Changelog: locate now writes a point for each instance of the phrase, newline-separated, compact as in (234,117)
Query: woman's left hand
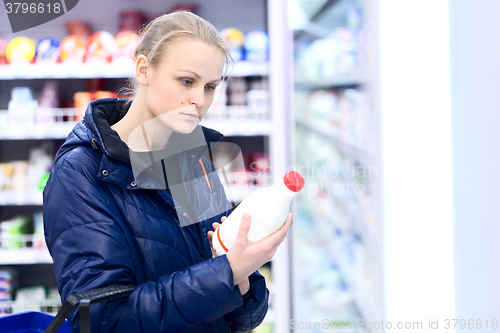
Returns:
(243,285)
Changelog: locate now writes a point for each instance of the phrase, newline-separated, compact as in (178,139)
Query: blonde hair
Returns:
(169,28)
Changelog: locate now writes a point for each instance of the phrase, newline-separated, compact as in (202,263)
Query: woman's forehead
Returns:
(194,55)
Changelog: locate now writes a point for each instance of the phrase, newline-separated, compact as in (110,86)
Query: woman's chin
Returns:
(185,129)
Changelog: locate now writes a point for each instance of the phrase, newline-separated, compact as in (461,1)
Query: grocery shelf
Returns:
(24,256)
(50,306)
(360,227)
(235,193)
(357,152)
(57,130)
(122,68)
(358,289)
(355,78)
(21,198)
(242,127)
(237,125)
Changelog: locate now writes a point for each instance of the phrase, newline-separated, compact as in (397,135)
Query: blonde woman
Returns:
(132,200)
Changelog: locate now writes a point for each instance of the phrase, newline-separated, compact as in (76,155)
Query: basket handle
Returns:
(85,300)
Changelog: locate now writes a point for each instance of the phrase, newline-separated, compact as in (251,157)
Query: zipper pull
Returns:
(94,143)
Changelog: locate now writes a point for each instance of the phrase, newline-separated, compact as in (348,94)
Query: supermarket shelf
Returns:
(50,306)
(244,121)
(357,153)
(354,78)
(243,127)
(359,226)
(24,256)
(356,286)
(58,130)
(123,68)
(364,304)
(21,198)
(235,193)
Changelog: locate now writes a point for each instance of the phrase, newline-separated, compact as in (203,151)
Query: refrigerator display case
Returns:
(336,243)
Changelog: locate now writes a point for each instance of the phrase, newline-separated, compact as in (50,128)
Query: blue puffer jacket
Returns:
(103,227)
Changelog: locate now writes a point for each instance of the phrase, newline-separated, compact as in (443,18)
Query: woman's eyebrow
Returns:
(197,76)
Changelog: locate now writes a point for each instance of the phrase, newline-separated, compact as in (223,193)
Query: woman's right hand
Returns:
(245,257)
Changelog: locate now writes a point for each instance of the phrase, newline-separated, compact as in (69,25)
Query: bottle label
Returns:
(220,240)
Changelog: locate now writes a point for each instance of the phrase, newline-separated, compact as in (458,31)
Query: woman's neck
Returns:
(140,130)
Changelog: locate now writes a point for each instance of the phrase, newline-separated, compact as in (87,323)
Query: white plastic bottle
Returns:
(268,208)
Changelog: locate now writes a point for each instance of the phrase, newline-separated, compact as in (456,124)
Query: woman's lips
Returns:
(191,116)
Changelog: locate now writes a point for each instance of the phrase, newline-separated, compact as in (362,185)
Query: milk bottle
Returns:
(268,208)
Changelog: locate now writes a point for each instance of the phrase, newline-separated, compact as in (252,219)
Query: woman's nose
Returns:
(198,98)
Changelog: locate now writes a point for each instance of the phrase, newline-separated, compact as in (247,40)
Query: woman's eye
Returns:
(210,87)
(187,82)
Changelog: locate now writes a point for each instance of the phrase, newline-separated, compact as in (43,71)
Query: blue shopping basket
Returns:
(37,322)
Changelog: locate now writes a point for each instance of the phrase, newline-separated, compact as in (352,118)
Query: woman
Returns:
(115,213)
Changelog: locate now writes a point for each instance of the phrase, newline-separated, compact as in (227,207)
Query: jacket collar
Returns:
(103,113)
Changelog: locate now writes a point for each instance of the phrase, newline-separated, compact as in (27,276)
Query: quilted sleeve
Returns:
(255,302)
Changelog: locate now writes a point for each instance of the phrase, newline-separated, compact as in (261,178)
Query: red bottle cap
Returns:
(294,181)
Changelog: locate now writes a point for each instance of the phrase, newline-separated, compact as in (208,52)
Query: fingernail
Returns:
(246,217)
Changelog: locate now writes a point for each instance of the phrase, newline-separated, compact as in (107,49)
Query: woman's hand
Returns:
(210,234)
(243,285)
(245,257)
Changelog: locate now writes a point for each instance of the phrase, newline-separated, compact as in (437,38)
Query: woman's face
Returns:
(183,84)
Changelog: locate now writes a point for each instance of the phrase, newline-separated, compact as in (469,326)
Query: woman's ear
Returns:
(141,70)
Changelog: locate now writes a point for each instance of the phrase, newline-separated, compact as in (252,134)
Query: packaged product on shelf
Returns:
(19,178)
(256,46)
(260,165)
(38,235)
(130,20)
(237,88)
(49,98)
(185,6)
(72,49)
(5,176)
(81,101)
(29,299)
(47,50)
(8,283)
(22,107)
(101,46)
(83,98)
(48,101)
(258,103)
(347,58)
(126,42)
(12,232)
(20,50)
(39,165)
(79,28)
(3,50)
(235,39)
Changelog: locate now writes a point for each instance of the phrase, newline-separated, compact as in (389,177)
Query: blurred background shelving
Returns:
(336,150)
(30,136)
